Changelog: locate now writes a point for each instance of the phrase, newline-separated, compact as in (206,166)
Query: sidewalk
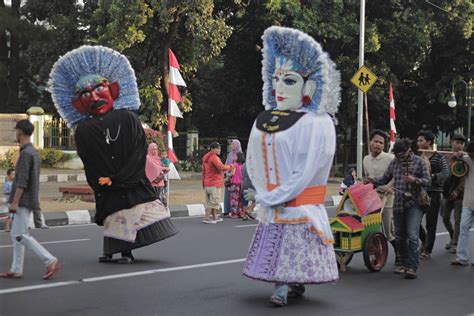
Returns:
(68,175)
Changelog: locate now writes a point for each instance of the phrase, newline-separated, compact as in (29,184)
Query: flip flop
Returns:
(459,263)
(53,268)
(10,275)
(277,301)
(106,258)
(126,260)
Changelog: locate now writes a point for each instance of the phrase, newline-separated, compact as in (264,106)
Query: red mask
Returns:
(97,99)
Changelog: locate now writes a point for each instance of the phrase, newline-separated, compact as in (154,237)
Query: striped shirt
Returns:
(439,172)
(27,172)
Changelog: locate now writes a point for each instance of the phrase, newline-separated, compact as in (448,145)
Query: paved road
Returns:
(198,272)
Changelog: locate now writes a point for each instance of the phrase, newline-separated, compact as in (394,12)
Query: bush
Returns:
(153,136)
(8,160)
(50,157)
(193,162)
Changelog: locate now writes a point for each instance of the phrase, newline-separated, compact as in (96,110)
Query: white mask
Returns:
(288,87)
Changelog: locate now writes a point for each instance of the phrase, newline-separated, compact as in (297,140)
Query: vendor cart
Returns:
(357,227)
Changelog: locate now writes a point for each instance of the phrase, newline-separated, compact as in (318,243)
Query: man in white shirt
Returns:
(467,215)
(375,165)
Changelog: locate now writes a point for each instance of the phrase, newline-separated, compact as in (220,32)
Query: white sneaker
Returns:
(209,221)
(219,220)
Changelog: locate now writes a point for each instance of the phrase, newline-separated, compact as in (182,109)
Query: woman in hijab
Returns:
(235,148)
(155,171)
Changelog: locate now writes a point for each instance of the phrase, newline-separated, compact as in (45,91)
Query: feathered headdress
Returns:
(91,60)
(294,50)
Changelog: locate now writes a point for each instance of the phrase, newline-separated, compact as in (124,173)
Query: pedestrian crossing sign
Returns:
(364,79)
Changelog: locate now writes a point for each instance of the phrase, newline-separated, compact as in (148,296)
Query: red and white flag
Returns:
(174,97)
(393,129)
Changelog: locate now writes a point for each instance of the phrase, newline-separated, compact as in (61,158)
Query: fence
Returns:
(57,135)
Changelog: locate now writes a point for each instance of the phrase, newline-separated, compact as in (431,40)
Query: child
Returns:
(236,209)
(166,163)
(348,181)
(7,188)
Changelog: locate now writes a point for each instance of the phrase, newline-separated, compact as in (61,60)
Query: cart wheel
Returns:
(343,259)
(375,251)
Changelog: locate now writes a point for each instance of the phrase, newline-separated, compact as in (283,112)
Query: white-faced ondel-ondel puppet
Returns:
(94,90)
(289,156)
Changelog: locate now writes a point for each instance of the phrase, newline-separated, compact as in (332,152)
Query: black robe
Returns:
(122,159)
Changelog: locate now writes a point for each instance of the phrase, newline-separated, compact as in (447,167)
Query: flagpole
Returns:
(360,96)
(168,193)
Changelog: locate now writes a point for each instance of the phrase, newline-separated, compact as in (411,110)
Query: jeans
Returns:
(226,209)
(387,222)
(20,238)
(281,291)
(407,225)
(467,218)
(432,213)
(447,207)
(38,218)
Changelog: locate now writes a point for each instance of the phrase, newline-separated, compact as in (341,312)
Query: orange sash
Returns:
(311,195)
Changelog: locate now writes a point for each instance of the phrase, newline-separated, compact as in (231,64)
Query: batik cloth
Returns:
(125,224)
(290,254)
(236,208)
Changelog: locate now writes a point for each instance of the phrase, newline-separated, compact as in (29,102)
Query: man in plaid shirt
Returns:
(411,176)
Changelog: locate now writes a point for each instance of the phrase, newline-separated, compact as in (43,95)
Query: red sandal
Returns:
(53,268)
(10,275)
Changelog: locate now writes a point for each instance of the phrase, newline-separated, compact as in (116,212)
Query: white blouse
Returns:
(293,160)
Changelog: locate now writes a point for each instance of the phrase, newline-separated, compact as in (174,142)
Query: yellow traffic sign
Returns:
(364,79)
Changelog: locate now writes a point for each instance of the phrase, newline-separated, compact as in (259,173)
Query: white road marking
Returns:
(37,287)
(51,242)
(118,276)
(193,266)
(249,225)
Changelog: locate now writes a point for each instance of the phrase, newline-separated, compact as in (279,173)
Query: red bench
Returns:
(84,192)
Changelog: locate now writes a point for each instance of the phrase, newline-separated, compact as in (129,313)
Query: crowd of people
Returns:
(422,185)
(232,176)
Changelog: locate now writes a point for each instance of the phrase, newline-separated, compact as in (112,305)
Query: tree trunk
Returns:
(3,61)
(14,69)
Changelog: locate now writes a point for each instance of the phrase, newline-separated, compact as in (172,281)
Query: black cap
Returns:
(458,137)
(214,145)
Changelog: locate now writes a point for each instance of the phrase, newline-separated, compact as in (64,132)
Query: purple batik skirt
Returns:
(290,254)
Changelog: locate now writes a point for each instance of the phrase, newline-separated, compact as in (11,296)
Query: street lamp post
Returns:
(452,104)
(360,96)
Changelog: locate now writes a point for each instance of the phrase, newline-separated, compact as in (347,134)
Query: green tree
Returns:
(418,49)
(227,92)
(38,33)
(10,30)
(145,30)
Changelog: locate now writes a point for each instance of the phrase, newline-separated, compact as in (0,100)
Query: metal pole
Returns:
(469,108)
(360,96)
